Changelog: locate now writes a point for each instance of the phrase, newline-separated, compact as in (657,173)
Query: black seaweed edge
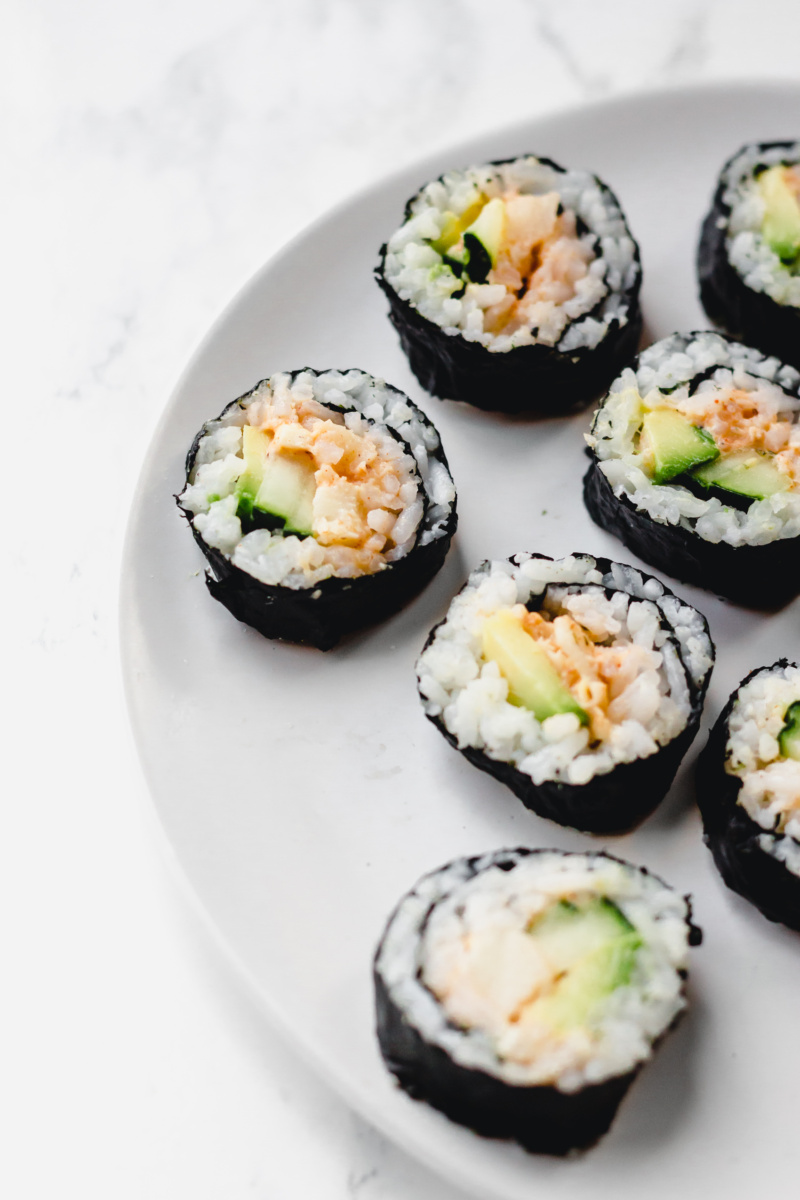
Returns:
(760,577)
(618,801)
(747,315)
(561,382)
(732,836)
(541,1118)
(321,615)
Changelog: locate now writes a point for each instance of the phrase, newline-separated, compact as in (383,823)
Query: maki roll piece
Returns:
(748,788)
(696,466)
(577,682)
(521,992)
(322,501)
(748,260)
(514,286)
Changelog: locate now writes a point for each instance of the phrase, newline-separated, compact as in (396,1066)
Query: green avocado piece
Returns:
(533,681)
(781,224)
(746,473)
(255,448)
(673,444)
(789,736)
(593,947)
(484,238)
(287,491)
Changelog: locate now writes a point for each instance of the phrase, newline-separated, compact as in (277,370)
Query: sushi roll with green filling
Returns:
(748,789)
(322,501)
(514,286)
(749,254)
(696,466)
(577,682)
(520,992)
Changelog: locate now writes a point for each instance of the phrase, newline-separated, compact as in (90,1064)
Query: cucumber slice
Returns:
(746,473)
(255,448)
(454,226)
(789,736)
(593,948)
(484,238)
(781,224)
(672,444)
(534,683)
(287,491)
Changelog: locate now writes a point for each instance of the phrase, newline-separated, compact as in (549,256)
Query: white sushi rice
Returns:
(451,903)
(414,268)
(748,250)
(469,694)
(664,374)
(301,562)
(770,791)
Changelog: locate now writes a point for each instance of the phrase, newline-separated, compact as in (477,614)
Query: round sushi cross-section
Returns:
(577,682)
(696,466)
(748,786)
(749,255)
(521,991)
(514,286)
(322,501)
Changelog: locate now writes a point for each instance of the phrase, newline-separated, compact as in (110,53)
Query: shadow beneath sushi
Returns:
(614,803)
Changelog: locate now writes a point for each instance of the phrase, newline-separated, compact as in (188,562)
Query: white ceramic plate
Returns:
(302,793)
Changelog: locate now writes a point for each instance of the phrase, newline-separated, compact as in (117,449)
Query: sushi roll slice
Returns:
(696,466)
(322,501)
(577,682)
(514,286)
(748,789)
(520,992)
(748,260)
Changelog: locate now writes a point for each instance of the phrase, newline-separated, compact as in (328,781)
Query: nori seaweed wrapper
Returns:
(733,836)
(621,799)
(762,577)
(748,315)
(533,380)
(540,1117)
(323,613)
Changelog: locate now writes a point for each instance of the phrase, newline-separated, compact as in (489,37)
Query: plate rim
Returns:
(401,1134)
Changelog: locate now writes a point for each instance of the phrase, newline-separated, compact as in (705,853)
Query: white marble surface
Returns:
(154,155)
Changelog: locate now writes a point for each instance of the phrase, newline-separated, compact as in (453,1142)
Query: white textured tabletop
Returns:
(154,155)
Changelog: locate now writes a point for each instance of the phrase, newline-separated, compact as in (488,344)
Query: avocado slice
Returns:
(789,736)
(483,239)
(672,444)
(533,681)
(255,448)
(746,473)
(593,947)
(454,225)
(781,224)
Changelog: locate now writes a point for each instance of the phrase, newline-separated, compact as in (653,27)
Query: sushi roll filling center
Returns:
(295,485)
(542,665)
(559,971)
(704,434)
(513,254)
